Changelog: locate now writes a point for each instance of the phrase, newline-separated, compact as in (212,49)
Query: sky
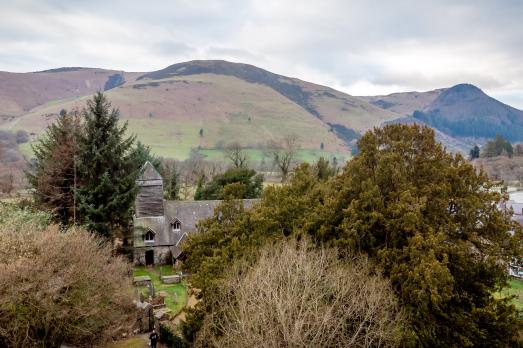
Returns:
(359,47)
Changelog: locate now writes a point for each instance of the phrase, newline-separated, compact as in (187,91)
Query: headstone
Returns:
(141,280)
(171,279)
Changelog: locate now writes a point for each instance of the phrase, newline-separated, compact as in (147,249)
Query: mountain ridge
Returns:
(229,101)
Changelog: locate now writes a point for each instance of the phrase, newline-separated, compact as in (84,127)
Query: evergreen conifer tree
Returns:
(108,189)
(53,175)
(474,152)
(143,154)
(173,188)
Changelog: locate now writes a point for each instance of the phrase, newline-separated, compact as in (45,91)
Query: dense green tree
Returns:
(323,169)
(498,147)
(172,189)
(142,153)
(474,152)
(107,168)
(425,217)
(251,185)
(432,224)
(52,174)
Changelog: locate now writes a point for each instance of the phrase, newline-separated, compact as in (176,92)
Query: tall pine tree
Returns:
(172,191)
(53,175)
(142,154)
(108,189)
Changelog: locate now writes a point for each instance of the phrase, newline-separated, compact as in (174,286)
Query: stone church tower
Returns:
(149,202)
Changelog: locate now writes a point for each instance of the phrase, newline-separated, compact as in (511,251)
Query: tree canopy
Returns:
(85,168)
(239,182)
(425,217)
(53,172)
(107,168)
(498,147)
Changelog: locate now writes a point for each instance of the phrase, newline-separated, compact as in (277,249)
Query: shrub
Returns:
(300,296)
(169,339)
(58,286)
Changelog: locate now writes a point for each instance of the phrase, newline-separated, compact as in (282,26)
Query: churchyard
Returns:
(174,294)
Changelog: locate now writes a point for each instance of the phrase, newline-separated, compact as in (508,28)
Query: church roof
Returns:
(188,213)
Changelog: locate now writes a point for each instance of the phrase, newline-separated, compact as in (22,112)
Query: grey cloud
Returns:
(343,42)
(173,48)
(227,52)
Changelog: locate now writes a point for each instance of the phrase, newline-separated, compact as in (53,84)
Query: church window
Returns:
(176,225)
(148,237)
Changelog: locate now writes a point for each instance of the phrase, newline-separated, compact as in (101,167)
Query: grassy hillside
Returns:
(168,115)
(226,102)
(19,93)
(466,111)
(404,103)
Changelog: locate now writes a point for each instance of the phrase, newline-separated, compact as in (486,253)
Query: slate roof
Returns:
(188,213)
(155,224)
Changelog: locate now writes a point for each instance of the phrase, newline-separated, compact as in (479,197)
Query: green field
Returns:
(172,147)
(137,342)
(170,289)
(26,150)
(165,137)
(168,114)
(256,155)
(515,288)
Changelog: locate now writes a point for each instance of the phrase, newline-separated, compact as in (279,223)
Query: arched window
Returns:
(148,237)
(176,225)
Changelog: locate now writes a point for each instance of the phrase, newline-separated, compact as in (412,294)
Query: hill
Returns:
(404,103)
(21,92)
(466,111)
(206,104)
(227,101)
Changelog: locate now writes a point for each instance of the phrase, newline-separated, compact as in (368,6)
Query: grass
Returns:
(169,117)
(515,289)
(129,343)
(26,150)
(303,155)
(170,289)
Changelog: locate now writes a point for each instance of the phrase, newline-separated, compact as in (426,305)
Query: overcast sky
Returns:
(360,47)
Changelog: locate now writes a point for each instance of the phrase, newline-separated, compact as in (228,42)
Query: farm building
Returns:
(161,226)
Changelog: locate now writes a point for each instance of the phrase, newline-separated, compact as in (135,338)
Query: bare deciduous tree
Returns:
(300,296)
(283,154)
(7,183)
(236,155)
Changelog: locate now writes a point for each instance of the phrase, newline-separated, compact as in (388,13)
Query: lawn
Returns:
(515,288)
(302,155)
(170,289)
(129,343)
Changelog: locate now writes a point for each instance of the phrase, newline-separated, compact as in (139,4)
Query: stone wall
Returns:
(162,255)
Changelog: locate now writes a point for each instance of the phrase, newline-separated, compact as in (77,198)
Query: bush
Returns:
(22,137)
(169,339)
(300,296)
(58,287)
(235,182)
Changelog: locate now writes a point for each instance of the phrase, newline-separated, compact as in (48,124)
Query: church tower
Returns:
(149,201)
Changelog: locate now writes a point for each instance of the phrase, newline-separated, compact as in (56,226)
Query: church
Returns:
(160,226)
